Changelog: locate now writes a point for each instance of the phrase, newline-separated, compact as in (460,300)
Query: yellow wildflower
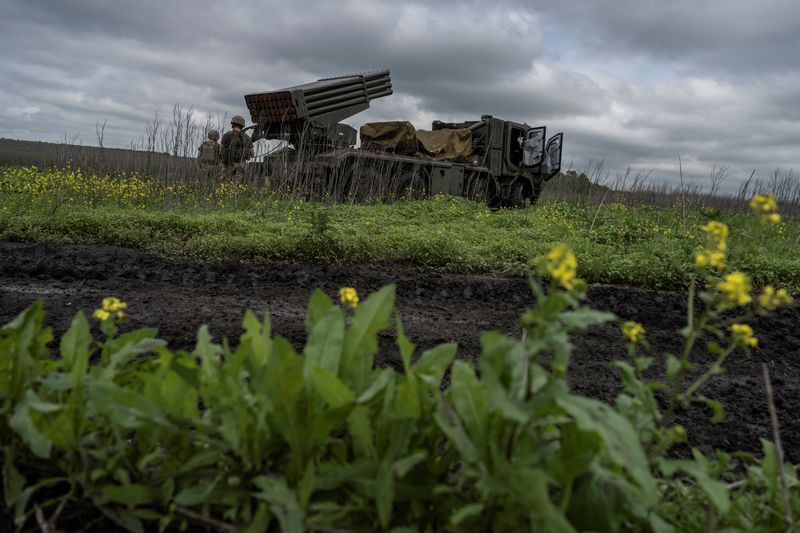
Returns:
(714,259)
(736,288)
(770,299)
(713,255)
(113,304)
(562,265)
(763,203)
(743,335)
(717,232)
(348,297)
(633,331)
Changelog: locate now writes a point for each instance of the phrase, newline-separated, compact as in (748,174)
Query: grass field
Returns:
(353,434)
(615,243)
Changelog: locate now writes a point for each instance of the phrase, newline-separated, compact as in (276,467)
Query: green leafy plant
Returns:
(256,436)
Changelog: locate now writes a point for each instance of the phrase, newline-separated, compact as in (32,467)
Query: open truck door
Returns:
(533,147)
(552,156)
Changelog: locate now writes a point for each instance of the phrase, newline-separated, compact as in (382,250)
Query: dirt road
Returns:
(436,308)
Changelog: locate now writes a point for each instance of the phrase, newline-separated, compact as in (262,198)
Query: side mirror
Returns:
(533,147)
(552,156)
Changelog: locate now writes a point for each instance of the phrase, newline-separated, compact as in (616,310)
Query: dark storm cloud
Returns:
(630,82)
(720,35)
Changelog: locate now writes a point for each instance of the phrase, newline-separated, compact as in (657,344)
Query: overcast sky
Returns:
(630,82)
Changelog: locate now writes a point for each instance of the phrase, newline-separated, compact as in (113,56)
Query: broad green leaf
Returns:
(125,407)
(384,493)
(75,347)
(167,490)
(404,465)
(283,502)
(201,459)
(231,433)
(361,339)
(448,422)
(331,388)
(307,484)
(621,441)
(581,318)
(30,340)
(407,401)
(404,345)
(23,424)
(471,401)
(325,343)
(285,386)
(673,367)
(13,481)
(770,469)
(209,354)
(716,491)
(123,518)
(433,363)
(577,452)
(197,493)
(318,306)
(260,522)
(129,494)
(470,510)
(256,340)
(530,486)
(597,500)
(659,525)
(381,379)
(358,423)
(122,353)
(22,502)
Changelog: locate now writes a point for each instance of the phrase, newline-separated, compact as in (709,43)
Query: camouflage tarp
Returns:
(445,145)
(398,137)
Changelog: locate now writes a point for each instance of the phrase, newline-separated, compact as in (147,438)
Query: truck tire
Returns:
(478,188)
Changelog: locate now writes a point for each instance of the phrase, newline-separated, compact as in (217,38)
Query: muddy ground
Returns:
(178,297)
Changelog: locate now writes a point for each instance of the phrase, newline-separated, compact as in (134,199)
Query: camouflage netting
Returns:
(445,145)
(400,137)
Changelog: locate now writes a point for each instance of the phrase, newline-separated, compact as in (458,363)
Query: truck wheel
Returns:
(477,189)
(493,197)
(519,193)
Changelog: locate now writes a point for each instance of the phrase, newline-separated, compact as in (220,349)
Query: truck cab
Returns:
(516,156)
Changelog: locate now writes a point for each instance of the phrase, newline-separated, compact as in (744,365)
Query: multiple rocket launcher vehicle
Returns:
(500,162)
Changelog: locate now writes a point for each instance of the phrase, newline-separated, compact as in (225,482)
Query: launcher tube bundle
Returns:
(324,102)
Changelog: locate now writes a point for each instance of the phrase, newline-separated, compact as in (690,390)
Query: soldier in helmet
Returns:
(236,148)
(208,156)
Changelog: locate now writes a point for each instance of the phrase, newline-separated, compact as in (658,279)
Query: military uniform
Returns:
(208,156)
(237,147)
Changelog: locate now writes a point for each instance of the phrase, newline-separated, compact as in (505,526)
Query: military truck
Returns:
(500,162)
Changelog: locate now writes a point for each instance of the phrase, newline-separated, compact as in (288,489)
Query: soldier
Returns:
(236,148)
(208,155)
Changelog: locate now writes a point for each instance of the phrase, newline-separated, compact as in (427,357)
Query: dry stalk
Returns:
(220,525)
(709,519)
(773,415)
(44,525)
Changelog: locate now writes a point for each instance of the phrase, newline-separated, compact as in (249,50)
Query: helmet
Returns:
(213,135)
(238,120)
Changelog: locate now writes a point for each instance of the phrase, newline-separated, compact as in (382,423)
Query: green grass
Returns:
(640,246)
